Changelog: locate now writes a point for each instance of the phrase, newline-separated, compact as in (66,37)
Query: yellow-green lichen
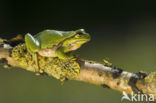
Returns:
(151,77)
(107,63)
(23,58)
(59,68)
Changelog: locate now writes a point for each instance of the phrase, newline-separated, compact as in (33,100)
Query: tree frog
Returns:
(54,43)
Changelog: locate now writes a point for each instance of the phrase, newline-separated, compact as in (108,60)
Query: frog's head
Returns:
(81,35)
(77,39)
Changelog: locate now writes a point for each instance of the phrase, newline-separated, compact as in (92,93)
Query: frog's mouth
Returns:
(77,44)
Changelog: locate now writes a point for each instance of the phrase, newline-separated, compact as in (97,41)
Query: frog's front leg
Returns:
(33,47)
(60,53)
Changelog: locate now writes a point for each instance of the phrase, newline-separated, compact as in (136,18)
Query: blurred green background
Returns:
(123,31)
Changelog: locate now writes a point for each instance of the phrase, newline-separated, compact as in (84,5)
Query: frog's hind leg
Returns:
(35,58)
(33,46)
(32,43)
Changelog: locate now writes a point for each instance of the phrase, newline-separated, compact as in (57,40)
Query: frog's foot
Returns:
(41,73)
(37,69)
(72,57)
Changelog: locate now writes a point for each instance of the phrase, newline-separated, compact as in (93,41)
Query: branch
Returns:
(105,75)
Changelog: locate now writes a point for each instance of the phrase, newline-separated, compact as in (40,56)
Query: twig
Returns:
(105,75)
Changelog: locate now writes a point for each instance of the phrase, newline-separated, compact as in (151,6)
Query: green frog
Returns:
(54,43)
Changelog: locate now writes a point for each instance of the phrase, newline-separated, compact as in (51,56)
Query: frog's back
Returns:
(48,38)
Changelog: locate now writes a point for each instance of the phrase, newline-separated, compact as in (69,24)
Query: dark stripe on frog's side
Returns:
(62,42)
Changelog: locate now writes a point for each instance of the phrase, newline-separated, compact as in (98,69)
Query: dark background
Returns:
(123,31)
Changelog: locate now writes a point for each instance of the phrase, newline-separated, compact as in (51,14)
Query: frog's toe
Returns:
(74,58)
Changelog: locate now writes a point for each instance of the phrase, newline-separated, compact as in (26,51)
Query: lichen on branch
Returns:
(61,69)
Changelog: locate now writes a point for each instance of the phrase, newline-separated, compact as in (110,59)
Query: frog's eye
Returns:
(78,35)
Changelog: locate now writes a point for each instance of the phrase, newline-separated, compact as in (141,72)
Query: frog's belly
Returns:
(50,52)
